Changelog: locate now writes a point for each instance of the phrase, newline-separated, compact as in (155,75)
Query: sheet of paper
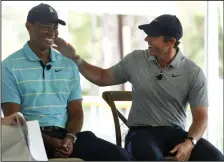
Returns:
(23,142)
(36,144)
(13,145)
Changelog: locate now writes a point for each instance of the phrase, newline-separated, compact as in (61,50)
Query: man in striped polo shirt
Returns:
(44,85)
(163,81)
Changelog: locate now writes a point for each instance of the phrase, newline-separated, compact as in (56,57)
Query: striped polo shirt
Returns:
(43,93)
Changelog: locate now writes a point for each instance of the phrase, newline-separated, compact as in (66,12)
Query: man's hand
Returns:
(183,151)
(65,48)
(66,149)
(12,119)
(55,143)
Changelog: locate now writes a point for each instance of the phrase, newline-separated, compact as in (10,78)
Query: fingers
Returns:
(13,122)
(57,48)
(70,46)
(59,41)
(63,152)
(18,118)
(66,142)
(181,155)
(181,158)
(178,156)
(175,149)
(60,155)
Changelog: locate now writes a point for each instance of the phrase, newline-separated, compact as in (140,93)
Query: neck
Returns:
(43,54)
(165,59)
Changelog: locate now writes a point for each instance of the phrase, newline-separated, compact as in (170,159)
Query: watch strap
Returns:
(73,136)
(192,140)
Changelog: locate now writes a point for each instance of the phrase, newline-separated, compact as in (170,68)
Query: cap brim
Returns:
(59,21)
(151,29)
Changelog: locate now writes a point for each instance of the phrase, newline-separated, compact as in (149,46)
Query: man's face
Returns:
(157,46)
(43,34)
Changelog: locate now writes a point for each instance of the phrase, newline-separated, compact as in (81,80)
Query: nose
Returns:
(51,32)
(146,38)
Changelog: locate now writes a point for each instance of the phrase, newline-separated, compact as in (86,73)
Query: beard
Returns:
(155,51)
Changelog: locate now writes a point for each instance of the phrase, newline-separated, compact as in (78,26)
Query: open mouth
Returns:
(49,40)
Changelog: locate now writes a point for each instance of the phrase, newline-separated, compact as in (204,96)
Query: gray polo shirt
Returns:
(161,102)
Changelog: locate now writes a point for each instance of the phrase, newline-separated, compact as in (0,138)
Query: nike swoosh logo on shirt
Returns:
(175,75)
(58,70)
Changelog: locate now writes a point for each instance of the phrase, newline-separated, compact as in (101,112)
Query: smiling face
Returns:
(158,46)
(42,35)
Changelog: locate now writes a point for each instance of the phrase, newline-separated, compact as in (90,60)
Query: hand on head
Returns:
(65,48)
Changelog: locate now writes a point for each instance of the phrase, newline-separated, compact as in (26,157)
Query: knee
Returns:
(88,134)
(205,151)
(216,155)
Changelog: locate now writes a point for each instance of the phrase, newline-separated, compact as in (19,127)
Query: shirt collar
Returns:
(175,62)
(33,57)
(177,59)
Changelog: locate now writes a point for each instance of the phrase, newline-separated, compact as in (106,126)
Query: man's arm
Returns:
(97,75)
(200,122)
(198,99)
(75,116)
(10,108)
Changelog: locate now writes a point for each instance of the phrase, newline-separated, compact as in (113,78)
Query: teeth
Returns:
(49,40)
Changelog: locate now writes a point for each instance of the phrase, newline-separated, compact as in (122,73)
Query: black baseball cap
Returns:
(44,14)
(164,25)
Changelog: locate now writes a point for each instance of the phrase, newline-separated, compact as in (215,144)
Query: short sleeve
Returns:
(10,90)
(122,70)
(76,93)
(198,94)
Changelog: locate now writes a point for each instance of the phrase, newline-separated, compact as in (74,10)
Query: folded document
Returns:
(23,142)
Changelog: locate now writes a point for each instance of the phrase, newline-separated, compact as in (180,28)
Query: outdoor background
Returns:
(104,32)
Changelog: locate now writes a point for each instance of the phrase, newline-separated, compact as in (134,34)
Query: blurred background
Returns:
(104,32)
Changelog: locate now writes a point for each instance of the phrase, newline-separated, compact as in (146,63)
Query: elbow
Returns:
(103,79)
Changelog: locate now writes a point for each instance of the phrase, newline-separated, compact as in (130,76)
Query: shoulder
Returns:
(13,59)
(192,69)
(136,55)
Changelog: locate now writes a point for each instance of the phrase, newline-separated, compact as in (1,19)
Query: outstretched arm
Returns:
(96,75)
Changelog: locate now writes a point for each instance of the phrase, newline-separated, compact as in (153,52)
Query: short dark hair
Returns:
(166,39)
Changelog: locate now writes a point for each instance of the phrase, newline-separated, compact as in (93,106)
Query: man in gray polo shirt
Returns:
(163,81)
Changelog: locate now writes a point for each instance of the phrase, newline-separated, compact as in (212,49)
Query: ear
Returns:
(172,41)
(28,26)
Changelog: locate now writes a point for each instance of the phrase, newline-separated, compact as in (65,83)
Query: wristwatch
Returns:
(193,140)
(73,136)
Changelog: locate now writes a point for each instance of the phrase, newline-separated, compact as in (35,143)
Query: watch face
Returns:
(194,141)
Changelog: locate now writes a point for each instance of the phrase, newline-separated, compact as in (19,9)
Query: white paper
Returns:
(36,144)
(23,142)
(13,146)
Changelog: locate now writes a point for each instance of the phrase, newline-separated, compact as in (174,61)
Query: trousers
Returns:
(153,143)
(90,148)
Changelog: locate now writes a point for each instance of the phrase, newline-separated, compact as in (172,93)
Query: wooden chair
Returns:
(110,97)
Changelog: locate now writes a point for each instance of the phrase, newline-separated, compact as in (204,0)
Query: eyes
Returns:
(49,27)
